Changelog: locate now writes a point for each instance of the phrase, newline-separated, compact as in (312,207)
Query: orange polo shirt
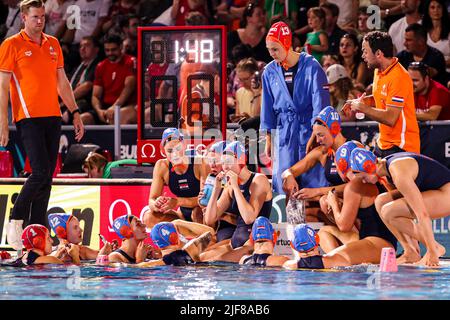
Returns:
(394,88)
(33,89)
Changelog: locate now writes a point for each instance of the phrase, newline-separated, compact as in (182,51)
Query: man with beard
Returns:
(114,85)
(392,104)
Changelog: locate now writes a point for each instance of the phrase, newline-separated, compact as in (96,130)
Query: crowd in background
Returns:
(105,47)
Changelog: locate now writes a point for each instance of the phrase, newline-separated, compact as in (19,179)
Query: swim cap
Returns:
(58,222)
(171,134)
(122,226)
(331,119)
(362,160)
(342,157)
(281,33)
(235,148)
(34,237)
(305,238)
(218,147)
(263,230)
(164,234)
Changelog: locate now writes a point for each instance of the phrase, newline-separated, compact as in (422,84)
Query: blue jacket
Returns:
(293,118)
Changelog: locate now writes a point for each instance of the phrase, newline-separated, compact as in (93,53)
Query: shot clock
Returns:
(181,83)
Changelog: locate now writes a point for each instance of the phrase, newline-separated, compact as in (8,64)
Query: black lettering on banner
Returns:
(167,106)
(209,99)
(3,205)
(87,215)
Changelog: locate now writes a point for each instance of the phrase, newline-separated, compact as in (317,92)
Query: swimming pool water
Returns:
(221,281)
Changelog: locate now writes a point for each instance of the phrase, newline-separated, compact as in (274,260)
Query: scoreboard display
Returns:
(181,83)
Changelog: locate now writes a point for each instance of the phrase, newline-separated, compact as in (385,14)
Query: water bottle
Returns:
(207,190)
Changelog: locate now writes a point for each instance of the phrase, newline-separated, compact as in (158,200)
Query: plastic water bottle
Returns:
(207,190)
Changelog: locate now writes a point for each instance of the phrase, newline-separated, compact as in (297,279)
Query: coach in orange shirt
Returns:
(31,68)
(392,104)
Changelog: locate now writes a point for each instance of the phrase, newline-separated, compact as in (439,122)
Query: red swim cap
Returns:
(281,33)
(34,237)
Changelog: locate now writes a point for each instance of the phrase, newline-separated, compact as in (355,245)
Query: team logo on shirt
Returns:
(52,51)
(384,90)
(28,53)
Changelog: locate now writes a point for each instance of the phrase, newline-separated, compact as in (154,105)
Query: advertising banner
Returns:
(82,201)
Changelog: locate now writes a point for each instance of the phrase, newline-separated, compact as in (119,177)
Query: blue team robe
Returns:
(293,118)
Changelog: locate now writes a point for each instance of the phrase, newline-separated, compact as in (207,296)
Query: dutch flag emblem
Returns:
(397,99)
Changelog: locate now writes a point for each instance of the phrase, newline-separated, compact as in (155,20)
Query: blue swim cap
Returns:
(331,119)
(362,160)
(58,222)
(305,238)
(342,157)
(171,134)
(218,147)
(164,234)
(236,148)
(263,230)
(122,226)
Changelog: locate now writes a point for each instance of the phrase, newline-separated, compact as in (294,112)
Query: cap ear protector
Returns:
(122,226)
(362,160)
(164,234)
(59,223)
(342,156)
(34,237)
(331,119)
(173,238)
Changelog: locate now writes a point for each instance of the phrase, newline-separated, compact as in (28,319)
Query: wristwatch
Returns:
(75,111)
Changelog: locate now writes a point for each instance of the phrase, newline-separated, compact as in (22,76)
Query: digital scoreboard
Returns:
(181,83)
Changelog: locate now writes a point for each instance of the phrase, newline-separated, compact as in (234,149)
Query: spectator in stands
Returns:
(391,11)
(341,89)
(363,27)
(82,79)
(348,13)
(55,11)
(114,85)
(418,50)
(248,97)
(129,46)
(392,103)
(317,39)
(432,100)
(149,10)
(328,60)
(397,30)
(437,23)
(97,166)
(334,32)
(281,9)
(181,8)
(230,12)
(252,34)
(350,58)
(13,22)
(121,15)
(93,13)
(303,27)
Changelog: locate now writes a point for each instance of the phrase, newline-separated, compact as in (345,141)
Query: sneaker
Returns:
(14,232)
